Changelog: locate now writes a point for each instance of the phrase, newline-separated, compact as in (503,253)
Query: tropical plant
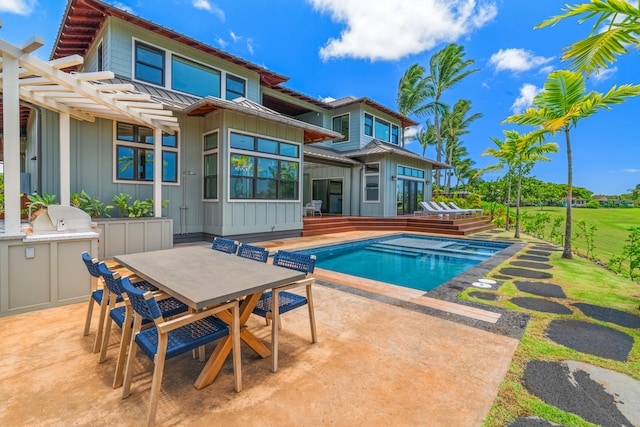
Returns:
(617,26)
(90,205)
(586,232)
(122,201)
(427,137)
(559,107)
(44,198)
(413,92)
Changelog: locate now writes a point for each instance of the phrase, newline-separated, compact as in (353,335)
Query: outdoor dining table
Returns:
(201,277)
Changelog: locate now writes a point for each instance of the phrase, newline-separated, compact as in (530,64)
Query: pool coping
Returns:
(510,323)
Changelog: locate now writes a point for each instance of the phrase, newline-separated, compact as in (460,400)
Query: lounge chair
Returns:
(480,211)
(446,207)
(435,208)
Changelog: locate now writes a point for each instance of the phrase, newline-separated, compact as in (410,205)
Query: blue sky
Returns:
(336,48)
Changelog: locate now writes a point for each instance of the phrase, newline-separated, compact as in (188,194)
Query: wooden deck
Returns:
(314,226)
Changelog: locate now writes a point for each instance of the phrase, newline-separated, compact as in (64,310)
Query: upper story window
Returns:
(380,129)
(196,79)
(236,87)
(368,124)
(406,171)
(273,175)
(149,64)
(210,165)
(341,124)
(135,155)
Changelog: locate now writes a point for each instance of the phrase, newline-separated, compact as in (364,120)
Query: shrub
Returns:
(592,204)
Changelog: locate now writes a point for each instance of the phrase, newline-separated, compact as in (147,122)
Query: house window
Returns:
(368,124)
(236,87)
(210,165)
(372,182)
(149,65)
(395,134)
(196,79)
(410,172)
(382,130)
(268,177)
(341,125)
(100,58)
(135,154)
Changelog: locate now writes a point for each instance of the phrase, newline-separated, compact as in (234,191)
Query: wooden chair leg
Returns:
(312,316)
(128,371)
(106,329)
(275,313)
(157,378)
(103,312)
(124,345)
(87,322)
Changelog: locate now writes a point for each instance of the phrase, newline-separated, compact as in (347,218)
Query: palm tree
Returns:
(426,137)
(446,69)
(454,124)
(559,107)
(413,92)
(622,22)
(505,153)
(530,149)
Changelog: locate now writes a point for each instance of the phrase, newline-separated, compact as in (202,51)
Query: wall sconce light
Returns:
(34,158)
(393,177)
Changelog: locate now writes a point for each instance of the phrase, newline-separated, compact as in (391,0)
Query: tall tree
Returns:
(620,21)
(427,137)
(413,92)
(455,123)
(447,68)
(530,149)
(563,102)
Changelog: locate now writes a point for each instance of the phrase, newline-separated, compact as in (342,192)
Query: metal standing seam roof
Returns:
(379,147)
(314,151)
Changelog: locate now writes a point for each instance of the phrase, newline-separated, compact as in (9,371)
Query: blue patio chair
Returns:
(255,253)
(97,295)
(113,290)
(167,339)
(288,301)
(224,245)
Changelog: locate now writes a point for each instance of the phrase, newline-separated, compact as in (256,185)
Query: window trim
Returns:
(260,154)
(348,137)
(100,56)
(364,120)
(364,182)
(373,128)
(206,152)
(139,145)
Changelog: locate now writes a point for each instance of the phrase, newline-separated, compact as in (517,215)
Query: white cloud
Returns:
(209,7)
(248,42)
(486,85)
(250,46)
(631,170)
(123,7)
(392,29)
(221,42)
(234,36)
(326,98)
(547,70)
(516,60)
(19,7)
(604,74)
(525,100)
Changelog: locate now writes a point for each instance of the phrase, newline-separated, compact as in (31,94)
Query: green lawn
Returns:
(613,225)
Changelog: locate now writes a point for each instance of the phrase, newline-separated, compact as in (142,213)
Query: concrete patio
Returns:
(375,364)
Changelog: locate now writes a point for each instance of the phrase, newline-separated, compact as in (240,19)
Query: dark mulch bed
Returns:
(539,253)
(529,264)
(610,315)
(542,305)
(501,277)
(591,338)
(527,274)
(487,296)
(534,258)
(531,422)
(538,288)
(577,393)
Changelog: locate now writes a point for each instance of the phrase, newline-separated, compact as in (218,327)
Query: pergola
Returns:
(81,96)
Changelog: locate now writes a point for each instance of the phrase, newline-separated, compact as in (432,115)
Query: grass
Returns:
(582,281)
(613,227)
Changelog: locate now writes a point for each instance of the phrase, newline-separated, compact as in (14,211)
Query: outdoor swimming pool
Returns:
(412,261)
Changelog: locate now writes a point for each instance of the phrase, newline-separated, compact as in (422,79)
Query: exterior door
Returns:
(330,192)
(409,194)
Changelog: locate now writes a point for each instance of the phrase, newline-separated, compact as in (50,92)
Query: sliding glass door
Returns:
(409,194)
(330,192)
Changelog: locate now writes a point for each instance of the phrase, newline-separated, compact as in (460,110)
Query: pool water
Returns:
(412,261)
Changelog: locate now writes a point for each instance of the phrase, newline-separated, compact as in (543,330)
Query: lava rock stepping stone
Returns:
(532,422)
(527,274)
(600,396)
(539,253)
(610,315)
(487,296)
(501,277)
(546,248)
(495,231)
(590,338)
(529,264)
(541,289)
(534,258)
(538,304)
